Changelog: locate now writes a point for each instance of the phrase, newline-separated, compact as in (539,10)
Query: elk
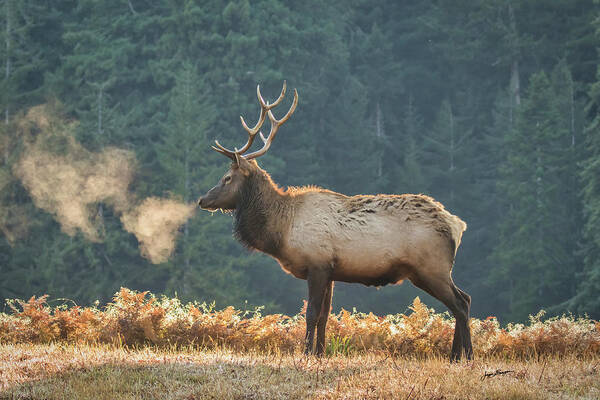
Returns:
(323,236)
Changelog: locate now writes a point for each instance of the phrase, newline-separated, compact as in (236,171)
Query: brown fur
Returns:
(323,236)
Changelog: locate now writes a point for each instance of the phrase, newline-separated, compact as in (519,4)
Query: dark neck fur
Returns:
(260,217)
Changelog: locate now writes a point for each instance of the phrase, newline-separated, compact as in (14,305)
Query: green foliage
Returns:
(478,104)
(539,234)
(586,300)
(339,346)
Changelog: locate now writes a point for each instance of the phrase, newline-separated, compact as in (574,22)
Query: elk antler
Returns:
(265,109)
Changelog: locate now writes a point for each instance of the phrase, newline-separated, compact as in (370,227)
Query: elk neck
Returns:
(263,214)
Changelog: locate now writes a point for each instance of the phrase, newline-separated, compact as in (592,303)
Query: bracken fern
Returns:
(140,318)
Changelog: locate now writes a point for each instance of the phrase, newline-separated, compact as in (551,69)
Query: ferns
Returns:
(139,318)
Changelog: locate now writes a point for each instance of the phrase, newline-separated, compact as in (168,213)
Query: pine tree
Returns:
(407,148)
(24,52)
(384,87)
(189,166)
(536,255)
(586,299)
(445,147)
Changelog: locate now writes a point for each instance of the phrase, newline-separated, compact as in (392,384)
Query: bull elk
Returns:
(322,236)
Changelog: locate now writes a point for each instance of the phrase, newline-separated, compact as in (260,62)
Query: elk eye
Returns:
(227,179)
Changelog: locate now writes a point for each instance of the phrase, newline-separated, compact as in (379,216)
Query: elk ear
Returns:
(243,165)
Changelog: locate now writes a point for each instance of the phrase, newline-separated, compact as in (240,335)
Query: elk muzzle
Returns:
(205,202)
(218,198)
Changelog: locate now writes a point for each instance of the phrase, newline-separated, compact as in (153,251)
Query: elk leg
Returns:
(458,302)
(323,316)
(465,296)
(317,286)
(467,344)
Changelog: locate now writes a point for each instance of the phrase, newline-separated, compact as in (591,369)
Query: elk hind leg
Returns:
(467,344)
(465,296)
(458,302)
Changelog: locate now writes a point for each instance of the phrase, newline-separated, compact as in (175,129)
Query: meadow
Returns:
(140,346)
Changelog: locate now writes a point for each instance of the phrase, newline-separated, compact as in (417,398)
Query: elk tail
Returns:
(457,228)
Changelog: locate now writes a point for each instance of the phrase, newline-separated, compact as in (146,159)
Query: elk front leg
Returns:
(323,317)
(318,281)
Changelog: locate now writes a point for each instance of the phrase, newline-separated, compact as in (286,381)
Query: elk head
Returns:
(225,194)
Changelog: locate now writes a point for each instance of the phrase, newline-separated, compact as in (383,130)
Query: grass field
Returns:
(143,347)
(58,371)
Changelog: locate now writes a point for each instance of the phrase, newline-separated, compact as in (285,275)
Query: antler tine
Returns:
(264,108)
(275,124)
(268,106)
(263,114)
(219,148)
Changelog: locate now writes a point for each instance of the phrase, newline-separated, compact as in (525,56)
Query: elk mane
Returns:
(261,213)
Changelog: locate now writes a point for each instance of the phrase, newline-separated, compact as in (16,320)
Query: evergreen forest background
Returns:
(491,107)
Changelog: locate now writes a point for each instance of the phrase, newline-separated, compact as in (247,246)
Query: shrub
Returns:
(139,318)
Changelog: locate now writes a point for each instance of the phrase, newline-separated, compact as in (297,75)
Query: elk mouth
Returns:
(223,210)
(205,205)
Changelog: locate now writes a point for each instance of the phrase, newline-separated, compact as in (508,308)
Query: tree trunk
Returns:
(8,66)
(131,7)
(515,84)
(452,150)
(572,110)
(515,81)
(186,229)
(380,134)
(100,110)
(186,189)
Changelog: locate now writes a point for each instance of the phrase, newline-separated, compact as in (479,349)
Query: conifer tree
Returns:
(586,298)
(202,265)
(536,255)
(407,148)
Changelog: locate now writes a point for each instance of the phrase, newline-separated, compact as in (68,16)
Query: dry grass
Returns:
(139,346)
(59,371)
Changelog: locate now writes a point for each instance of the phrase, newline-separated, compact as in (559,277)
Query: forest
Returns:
(490,107)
